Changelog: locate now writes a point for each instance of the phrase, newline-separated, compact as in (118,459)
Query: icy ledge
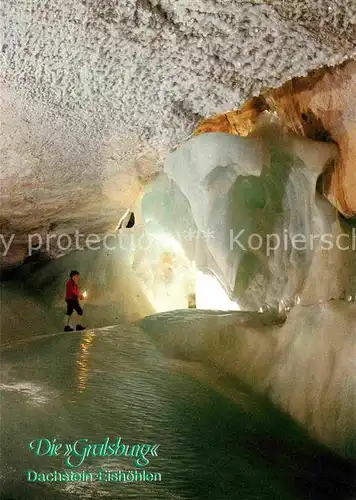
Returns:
(305,362)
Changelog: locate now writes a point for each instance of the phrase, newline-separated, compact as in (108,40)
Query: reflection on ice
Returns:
(304,362)
(33,393)
(82,371)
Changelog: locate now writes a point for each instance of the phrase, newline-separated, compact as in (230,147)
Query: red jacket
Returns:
(72,290)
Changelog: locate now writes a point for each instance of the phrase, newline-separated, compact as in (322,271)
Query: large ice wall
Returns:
(247,210)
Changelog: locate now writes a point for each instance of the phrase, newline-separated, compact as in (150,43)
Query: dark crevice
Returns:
(155,9)
(314,127)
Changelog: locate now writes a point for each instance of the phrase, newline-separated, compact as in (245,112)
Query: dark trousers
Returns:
(73,305)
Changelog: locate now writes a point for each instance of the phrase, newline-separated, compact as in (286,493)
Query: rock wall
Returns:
(321,106)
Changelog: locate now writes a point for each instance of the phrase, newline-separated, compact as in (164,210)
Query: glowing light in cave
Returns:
(165,273)
(211,295)
(169,280)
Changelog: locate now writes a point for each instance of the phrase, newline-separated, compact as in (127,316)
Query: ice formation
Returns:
(305,363)
(246,210)
(293,339)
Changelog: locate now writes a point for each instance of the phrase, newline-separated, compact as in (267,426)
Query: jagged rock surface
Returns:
(322,107)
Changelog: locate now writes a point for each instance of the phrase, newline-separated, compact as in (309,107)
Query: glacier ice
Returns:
(305,362)
(246,210)
(292,339)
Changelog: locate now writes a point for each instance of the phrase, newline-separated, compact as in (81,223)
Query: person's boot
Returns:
(80,327)
(68,328)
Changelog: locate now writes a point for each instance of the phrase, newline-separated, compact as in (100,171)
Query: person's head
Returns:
(74,275)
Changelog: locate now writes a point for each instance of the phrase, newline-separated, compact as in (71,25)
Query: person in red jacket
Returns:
(73,294)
